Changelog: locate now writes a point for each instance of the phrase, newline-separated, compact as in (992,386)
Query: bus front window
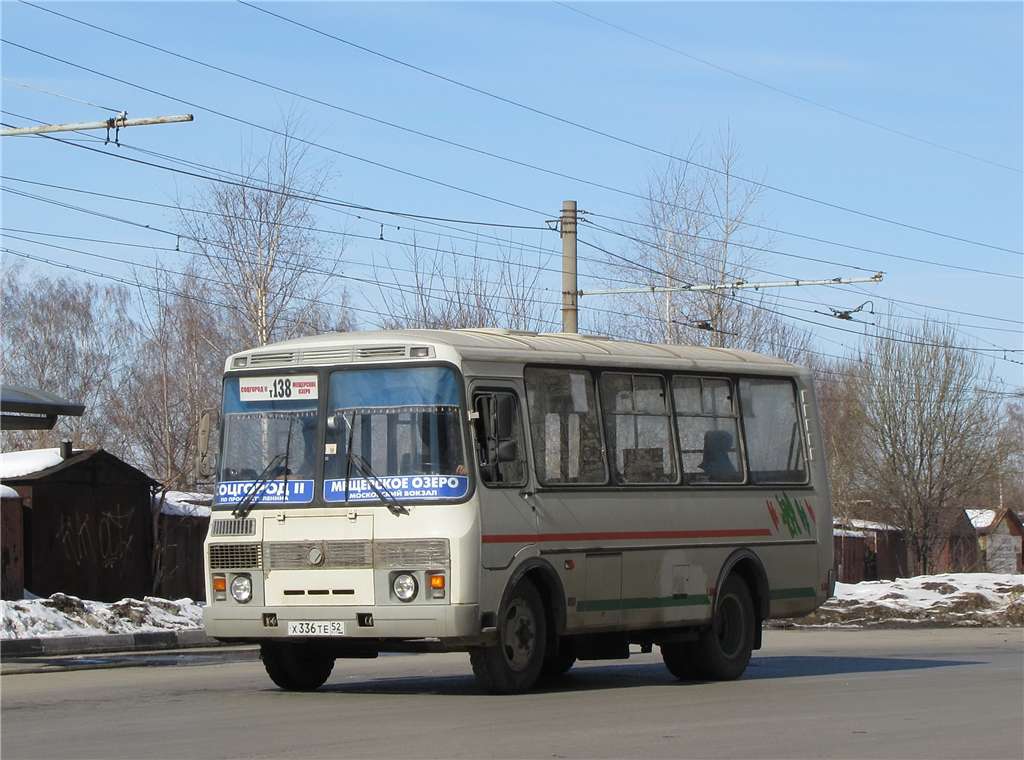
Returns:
(269,440)
(404,423)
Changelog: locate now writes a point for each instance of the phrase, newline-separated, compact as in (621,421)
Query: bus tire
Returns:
(678,657)
(296,667)
(561,660)
(723,650)
(514,664)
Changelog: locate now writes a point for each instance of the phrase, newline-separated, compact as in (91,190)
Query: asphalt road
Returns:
(899,694)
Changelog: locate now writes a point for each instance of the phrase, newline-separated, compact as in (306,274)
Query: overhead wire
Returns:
(787,93)
(623,140)
(447,141)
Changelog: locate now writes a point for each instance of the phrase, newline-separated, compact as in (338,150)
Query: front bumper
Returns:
(453,624)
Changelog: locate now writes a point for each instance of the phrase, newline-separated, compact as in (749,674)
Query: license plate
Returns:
(315,628)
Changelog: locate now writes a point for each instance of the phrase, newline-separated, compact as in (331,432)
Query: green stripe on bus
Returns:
(637,603)
(793,593)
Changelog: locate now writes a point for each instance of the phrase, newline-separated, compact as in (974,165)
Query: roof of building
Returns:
(981,518)
(6,492)
(863,525)
(497,344)
(987,520)
(35,464)
(23,408)
(183,503)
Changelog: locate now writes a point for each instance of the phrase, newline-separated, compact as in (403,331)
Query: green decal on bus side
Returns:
(638,603)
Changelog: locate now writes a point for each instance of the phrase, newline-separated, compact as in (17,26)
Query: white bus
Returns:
(532,499)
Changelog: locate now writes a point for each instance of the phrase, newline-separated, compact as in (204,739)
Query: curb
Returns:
(109,642)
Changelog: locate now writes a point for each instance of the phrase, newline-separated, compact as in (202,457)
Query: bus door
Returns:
(508,521)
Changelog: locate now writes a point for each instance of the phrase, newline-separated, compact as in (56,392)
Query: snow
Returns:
(841,532)
(863,524)
(185,503)
(6,492)
(981,518)
(16,464)
(993,599)
(64,615)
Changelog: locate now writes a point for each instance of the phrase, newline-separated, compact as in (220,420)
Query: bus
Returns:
(532,499)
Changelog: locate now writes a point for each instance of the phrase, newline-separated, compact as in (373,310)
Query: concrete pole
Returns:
(570,287)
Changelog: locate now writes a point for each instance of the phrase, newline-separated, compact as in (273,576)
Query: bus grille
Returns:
(294,555)
(271,358)
(244,527)
(232,556)
(425,553)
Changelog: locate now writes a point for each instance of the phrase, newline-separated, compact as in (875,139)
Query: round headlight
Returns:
(241,588)
(404,586)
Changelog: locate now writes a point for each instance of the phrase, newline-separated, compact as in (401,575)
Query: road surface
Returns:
(898,694)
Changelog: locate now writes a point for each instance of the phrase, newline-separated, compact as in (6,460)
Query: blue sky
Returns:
(949,73)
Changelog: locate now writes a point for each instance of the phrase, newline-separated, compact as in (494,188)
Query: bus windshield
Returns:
(404,424)
(270,430)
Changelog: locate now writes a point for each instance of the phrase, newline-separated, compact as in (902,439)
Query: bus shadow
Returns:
(586,677)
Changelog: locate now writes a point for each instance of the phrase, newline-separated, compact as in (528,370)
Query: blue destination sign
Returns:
(412,487)
(271,492)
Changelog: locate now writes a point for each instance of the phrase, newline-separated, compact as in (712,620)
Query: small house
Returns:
(1000,535)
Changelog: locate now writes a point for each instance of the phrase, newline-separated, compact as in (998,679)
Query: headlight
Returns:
(241,588)
(405,587)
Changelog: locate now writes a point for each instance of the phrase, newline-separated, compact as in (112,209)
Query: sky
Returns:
(945,73)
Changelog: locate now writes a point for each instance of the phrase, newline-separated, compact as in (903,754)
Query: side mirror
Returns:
(508,451)
(504,416)
(205,461)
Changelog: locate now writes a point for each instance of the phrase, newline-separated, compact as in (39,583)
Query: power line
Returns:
(279,133)
(775,252)
(788,93)
(972,349)
(26,86)
(624,140)
(442,140)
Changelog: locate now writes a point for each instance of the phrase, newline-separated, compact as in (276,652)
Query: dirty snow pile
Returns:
(955,599)
(65,615)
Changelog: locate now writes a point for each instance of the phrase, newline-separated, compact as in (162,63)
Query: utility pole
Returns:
(570,287)
(114,123)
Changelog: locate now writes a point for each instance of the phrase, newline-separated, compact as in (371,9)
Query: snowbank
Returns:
(954,599)
(15,464)
(6,492)
(185,503)
(64,615)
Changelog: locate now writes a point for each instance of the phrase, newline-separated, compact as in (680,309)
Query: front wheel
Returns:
(723,651)
(296,667)
(559,662)
(514,664)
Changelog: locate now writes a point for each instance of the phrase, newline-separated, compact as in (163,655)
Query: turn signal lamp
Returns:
(437,586)
(220,587)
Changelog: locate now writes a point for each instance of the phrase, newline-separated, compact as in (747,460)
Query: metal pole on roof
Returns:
(570,286)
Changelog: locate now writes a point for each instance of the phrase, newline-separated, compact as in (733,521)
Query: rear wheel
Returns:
(678,657)
(296,667)
(514,664)
(558,662)
(723,651)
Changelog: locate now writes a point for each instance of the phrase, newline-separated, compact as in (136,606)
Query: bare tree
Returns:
(692,232)
(255,237)
(71,338)
(931,442)
(436,291)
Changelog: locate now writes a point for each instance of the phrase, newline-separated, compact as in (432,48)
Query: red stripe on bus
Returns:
(520,538)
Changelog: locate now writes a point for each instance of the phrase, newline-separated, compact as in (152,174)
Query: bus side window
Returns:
(567,442)
(501,451)
(638,428)
(709,436)
(775,446)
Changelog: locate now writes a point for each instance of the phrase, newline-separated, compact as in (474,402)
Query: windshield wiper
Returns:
(385,495)
(244,507)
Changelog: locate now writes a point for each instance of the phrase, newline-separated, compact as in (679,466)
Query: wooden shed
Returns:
(1000,534)
(86,522)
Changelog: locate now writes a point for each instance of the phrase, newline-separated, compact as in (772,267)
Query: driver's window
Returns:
(500,449)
